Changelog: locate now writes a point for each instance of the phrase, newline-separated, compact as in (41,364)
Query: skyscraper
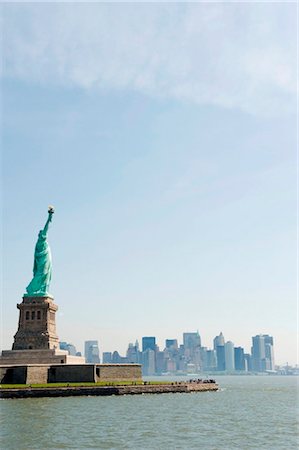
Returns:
(258,353)
(203,358)
(148,362)
(192,345)
(107,357)
(171,343)
(69,347)
(133,353)
(160,362)
(220,358)
(248,362)
(148,342)
(91,352)
(220,353)
(239,358)
(229,356)
(218,340)
(269,352)
(191,340)
(211,360)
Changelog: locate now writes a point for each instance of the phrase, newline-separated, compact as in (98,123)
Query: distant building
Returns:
(203,358)
(91,352)
(248,362)
(107,357)
(160,363)
(69,347)
(239,358)
(262,353)
(192,345)
(181,361)
(211,360)
(133,353)
(118,359)
(170,366)
(171,344)
(229,356)
(148,342)
(63,345)
(269,352)
(220,358)
(191,368)
(258,353)
(148,362)
(191,341)
(219,340)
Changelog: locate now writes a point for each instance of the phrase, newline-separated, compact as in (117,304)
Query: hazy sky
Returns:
(165,137)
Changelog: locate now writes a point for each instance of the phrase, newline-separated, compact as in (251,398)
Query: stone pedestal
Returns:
(37,324)
(50,356)
(36,341)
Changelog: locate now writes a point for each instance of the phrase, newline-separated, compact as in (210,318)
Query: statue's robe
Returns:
(42,269)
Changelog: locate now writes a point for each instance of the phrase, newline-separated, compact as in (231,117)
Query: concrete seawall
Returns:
(29,392)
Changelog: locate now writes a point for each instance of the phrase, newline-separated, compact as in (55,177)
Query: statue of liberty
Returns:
(42,268)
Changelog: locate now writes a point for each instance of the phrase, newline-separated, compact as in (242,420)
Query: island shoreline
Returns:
(35,392)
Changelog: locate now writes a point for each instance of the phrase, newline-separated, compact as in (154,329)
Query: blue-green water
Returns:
(247,413)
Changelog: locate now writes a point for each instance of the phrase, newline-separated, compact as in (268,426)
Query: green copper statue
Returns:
(42,269)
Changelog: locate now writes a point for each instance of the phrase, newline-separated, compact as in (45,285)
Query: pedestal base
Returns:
(51,356)
(69,373)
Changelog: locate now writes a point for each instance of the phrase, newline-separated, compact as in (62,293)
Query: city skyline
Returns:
(187,357)
(168,149)
(152,342)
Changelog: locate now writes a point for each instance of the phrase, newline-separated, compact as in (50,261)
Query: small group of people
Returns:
(209,381)
(199,381)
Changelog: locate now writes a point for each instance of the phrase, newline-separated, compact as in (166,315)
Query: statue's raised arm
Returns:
(42,268)
(50,212)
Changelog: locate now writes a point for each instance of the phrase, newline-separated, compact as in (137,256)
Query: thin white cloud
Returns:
(231,55)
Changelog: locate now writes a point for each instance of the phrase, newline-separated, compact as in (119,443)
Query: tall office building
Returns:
(191,341)
(170,365)
(118,359)
(220,358)
(69,347)
(211,360)
(262,353)
(203,359)
(258,352)
(192,345)
(269,352)
(107,357)
(219,340)
(160,362)
(133,353)
(239,358)
(148,342)
(229,356)
(248,362)
(171,344)
(91,352)
(148,362)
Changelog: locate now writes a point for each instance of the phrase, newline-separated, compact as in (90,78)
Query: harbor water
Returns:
(248,412)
